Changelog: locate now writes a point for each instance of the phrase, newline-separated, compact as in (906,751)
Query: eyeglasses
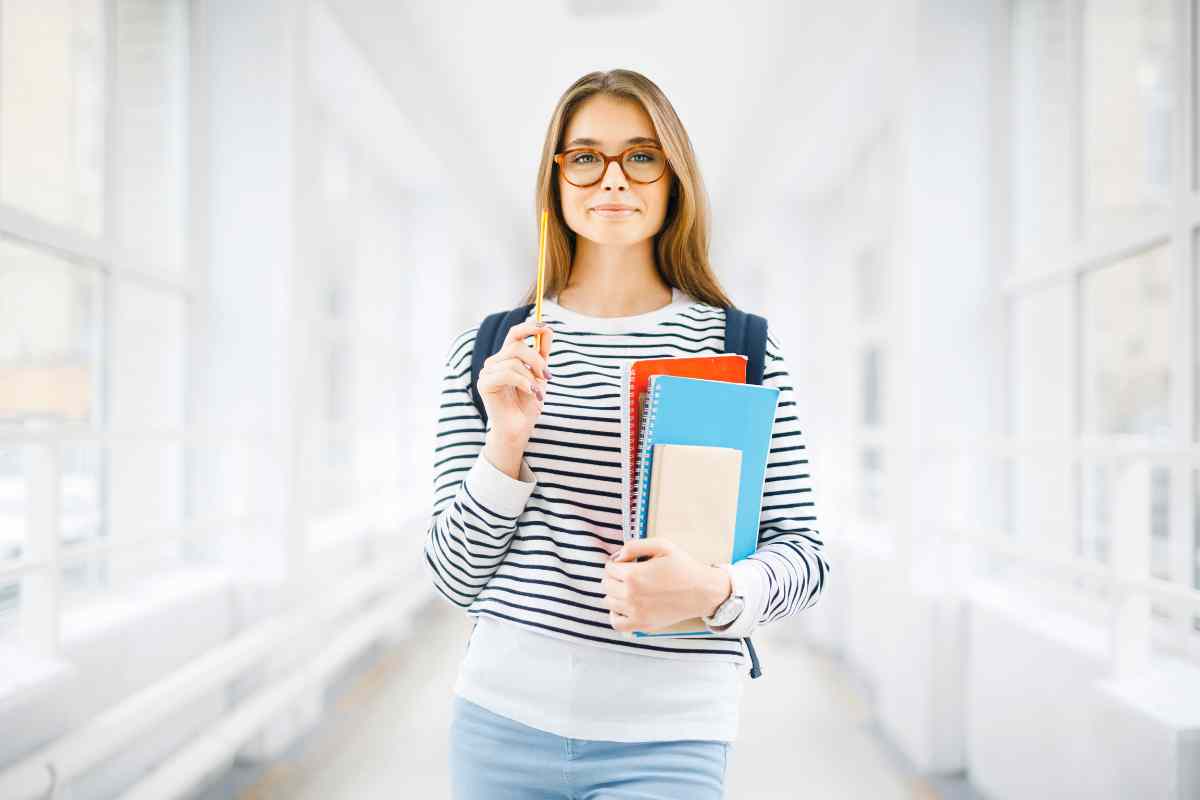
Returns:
(584,166)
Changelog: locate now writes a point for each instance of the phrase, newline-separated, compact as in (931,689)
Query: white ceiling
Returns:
(479,81)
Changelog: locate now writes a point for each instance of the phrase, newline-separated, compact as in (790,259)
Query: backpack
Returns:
(744,333)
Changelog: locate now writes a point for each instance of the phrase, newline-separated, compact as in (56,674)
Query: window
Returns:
(1040,406)
(1196,538)
(1129,107)
(1125,382)
(52,90)
(50,356)
(1095,345)
(872,413)
(94,293)
(359,378)
(1127,346)
(865,205)
(151,132)
(50,337)
(1042,126)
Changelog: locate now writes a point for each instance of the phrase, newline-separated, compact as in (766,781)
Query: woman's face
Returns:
(611,122)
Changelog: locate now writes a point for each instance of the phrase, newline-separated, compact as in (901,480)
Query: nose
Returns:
(614,176)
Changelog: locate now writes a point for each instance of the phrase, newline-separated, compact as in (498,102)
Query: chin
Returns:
(600,235)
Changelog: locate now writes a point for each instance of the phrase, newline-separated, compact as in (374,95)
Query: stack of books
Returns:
(695,439)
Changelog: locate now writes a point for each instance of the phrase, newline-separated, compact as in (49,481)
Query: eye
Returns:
(580,158)
(646,156)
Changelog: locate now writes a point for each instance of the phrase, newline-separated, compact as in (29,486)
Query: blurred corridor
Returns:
(400,703)
(237,238)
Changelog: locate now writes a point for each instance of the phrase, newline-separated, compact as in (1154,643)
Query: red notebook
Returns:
(635,379)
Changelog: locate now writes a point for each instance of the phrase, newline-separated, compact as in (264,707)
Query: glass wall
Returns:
(94,287)
(1128,111)
(359,376)
(1097,338)
(56,101)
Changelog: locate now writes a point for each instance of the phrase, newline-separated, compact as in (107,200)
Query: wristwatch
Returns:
(729,610)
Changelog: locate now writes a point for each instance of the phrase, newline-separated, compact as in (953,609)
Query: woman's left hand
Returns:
(670,587)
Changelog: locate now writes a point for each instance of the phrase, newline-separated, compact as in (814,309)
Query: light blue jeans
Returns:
(495,758)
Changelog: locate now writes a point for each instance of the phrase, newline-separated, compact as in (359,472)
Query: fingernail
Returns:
(547,372)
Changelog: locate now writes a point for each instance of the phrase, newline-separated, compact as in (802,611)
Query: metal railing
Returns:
(45,772)
(39,567)
(1126,576)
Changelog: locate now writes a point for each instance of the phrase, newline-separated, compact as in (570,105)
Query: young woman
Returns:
(553,698)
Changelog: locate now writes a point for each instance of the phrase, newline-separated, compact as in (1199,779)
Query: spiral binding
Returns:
(638,497)
(634,458)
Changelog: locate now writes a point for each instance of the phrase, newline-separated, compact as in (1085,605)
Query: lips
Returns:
(614,211)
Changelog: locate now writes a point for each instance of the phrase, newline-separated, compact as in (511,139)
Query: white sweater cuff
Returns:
(497,491)
(748,580)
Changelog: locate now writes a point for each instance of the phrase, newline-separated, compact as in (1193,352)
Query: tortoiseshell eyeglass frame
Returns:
(619,158)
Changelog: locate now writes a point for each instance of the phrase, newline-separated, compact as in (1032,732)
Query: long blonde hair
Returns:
(681,245)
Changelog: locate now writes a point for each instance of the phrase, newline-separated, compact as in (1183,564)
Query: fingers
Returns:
(514,347)
(517,350)
(619,571)
(522,371)
(521,375)
(509,373)
(544,336)
(614,589)
(518,333)
(622,614)
(615,598)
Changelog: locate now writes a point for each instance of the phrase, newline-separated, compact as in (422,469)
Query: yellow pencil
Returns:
(541,273)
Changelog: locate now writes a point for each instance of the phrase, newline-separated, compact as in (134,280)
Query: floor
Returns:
(806,731)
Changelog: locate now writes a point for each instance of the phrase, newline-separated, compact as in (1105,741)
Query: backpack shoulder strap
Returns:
(747,334)
(488,341)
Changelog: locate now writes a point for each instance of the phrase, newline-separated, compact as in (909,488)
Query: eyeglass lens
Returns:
(586,166)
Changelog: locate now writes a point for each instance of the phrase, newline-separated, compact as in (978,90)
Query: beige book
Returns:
(693,502)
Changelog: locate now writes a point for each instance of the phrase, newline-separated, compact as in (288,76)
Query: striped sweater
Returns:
(531,551)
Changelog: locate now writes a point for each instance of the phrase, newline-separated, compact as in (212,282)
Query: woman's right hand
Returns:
(512,383)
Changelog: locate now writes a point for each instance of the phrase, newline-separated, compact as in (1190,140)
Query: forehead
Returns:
(610,121)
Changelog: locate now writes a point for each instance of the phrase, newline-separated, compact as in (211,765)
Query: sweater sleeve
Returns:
(475,504)
(787,572)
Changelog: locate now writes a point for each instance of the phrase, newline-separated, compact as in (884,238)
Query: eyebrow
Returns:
(596,143)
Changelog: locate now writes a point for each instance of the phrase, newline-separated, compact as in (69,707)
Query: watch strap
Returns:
(711,621)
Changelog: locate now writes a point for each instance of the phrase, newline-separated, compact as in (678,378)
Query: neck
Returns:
(614,280)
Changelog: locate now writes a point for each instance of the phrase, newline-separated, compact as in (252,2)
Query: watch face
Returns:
(729,609)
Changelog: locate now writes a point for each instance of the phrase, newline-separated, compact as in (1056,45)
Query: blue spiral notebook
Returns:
(719,414)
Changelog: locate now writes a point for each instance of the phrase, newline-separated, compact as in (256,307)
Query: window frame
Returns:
(1177,228)
(38,618)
